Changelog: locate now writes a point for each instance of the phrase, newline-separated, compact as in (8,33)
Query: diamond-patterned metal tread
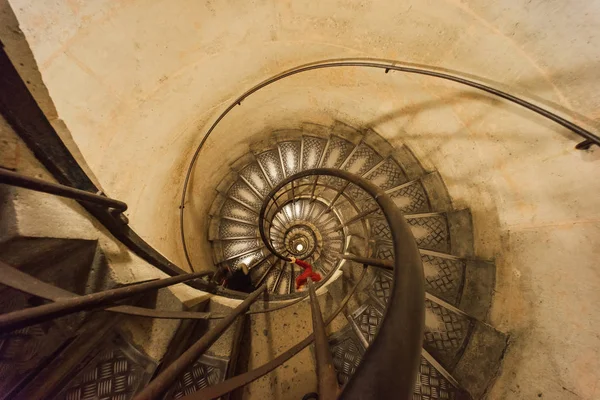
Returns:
(367,320)
(233,248)
(235,210)
(271,163)
(431,232)
(363,160)
(444,277)
(254,175)
(24,349)
(380,230)
(116,373)
(445,333)
(388,175)
(361,198)
(242,192)
(381,287)
(384,251)
(431,385)
(347,352)
(290,155)
(206,371)
(411,199)
(312,151)
(337,152)
(230,229)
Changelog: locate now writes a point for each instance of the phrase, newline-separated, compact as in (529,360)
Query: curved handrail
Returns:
(407,300)
(387,65)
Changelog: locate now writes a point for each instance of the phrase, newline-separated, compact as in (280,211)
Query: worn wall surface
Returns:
(138,83)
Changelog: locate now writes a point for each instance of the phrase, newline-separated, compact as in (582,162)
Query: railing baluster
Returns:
(326,376)
(337,196)
(162,382)
(30,316)
(312,193)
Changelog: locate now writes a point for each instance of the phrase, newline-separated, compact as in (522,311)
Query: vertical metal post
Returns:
(338,194)
(162,382)
(327,379)
(293,201)
(312,193)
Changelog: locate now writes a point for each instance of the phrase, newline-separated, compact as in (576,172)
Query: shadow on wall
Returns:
(466,96)
(588,73)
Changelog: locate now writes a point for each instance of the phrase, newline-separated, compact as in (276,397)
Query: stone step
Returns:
(449,232)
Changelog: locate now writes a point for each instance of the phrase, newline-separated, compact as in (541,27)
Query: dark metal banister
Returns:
(405,313)
(15,179)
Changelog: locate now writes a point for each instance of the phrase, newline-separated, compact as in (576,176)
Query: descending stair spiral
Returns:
(320,218)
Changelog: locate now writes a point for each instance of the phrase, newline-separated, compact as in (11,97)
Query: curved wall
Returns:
(139,82)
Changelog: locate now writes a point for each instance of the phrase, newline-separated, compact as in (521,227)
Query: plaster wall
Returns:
(138,83)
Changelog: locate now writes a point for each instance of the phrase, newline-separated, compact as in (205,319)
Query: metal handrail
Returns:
(387,65)
(407,300)
(15,179)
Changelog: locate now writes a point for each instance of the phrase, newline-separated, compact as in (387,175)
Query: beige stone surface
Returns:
(274,333)
(138,83)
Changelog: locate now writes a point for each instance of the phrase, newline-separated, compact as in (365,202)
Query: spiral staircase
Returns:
(329,222)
